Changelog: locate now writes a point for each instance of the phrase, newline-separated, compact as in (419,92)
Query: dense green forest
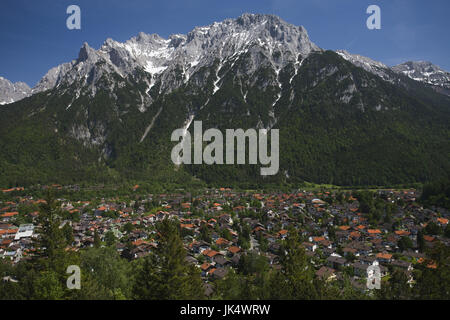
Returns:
(386,134)
(437,193)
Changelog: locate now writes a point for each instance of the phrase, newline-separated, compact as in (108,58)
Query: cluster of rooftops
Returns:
(336,235)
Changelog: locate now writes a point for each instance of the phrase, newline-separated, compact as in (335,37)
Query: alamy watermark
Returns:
(235,140)
(74,280)
(74,20)
(373,277)
(374,20)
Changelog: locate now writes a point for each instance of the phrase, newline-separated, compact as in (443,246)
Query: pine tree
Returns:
(51,241)
(396,288)
(68,234)
(297,275)
(52,259)
(420,241)
(110,238)
(164,274)
(97,241)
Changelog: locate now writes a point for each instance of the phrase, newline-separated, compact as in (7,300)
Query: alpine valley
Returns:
(343,119)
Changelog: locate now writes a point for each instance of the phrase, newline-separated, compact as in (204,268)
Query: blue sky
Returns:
(34,37)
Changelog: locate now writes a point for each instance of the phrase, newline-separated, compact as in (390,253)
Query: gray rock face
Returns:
(159,66)
(53,77)
(421,71)
(424,71)
(367,64)
(220,43)
(268,40)
(12,92)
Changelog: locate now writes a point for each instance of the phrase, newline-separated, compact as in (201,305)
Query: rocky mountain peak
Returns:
(200,47)
(11,92)
(86,52)
(425,71)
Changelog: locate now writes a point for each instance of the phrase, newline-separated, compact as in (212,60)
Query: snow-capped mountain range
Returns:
(221,41)
(110,113)
(422,71)
(159,57)
(426,72)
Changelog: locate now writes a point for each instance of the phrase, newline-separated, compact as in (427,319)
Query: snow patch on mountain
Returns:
(161,58)
(372,66)
(424,71)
